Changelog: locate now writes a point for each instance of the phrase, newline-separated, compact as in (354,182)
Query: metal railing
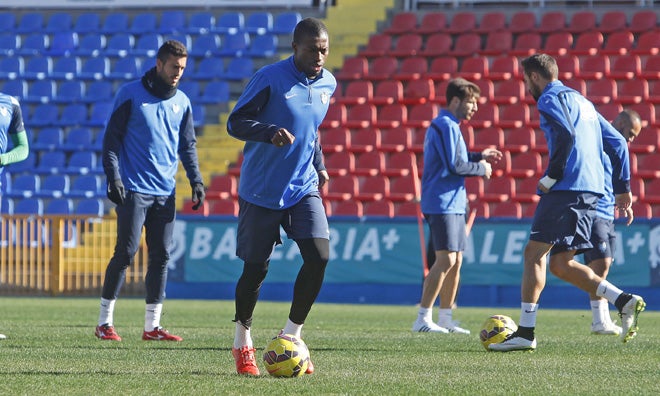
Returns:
(61,255)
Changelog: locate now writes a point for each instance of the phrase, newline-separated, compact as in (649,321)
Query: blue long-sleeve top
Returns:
(280,96)
(144,138)
(446,164)
(577,135)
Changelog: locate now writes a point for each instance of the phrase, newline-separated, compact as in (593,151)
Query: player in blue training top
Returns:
(444,200)
(603,238)
(278,116)
(577,135)
(11,127)
(149,130)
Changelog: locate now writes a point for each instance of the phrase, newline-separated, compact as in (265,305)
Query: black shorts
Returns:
(603,238)
(447,231)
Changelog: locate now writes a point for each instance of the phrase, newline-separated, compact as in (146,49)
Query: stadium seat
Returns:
(66,68)
(335,116)
(486,116)
(370,163)
(432,22)
(12,68)
(526,190)
(24,186)
(382,68)
(224,207)
(30,22)
(334,140)
(230,22)
(89,207)
(234,45)
(191,88)
(552,21)
(6,206)
(508,209)
(81,163)
(608,110)
(647,141)
(144,22)
(418,91)
(200,23)
(7,21)
(203,210)
(474,187)
(172,21)
(205,45)
(492,21)
(421,115)
(633,91)
(353,68)
(51,162)
(602,91)
(400,164)
(526,165)
(418,140)
(442,68)
(637,188)
(388,92)
(9,43)
(520,140)
(127,68)
(409,44)
(361,116)
(210,68)
(437,44)
(642,210)
(373,188)
(402,189)
(72,115)
(183,38)
(29,206)
(588,43)
(54,186)
(222,186)
(646,112)
(382,208)
(259,22)
(402,23)
(365,140)
(396,139)
(44,114)
(99,113)
(48,139)
(582,21)
(411,68)
(97,143)
(147,44)
(215,92)
(63,44)
(568,66)
(643,21)
(357,92)
(484,138)
(342,188)
(509,91)
(391,116)
(347,208)
(474,68)
(285,22)
(40,91)
(647,166)
(119,45)
(626,67)
(199,115)
(462,22)
(87,186)
(406,209)
(618,43)
(522,22)
(612,22)
(115,22)
(263,46)
(526,44)
(78,139)
(91,45)
(15,88)
(467,44)
(38,68)
(239,69)
(340,163)
(594,67)
(500,189)
(98,91)
(87,22)
(651,191)
(497,43)
(647,43)
(558,43)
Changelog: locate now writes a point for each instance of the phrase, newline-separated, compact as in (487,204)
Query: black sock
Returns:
(622,300)
(525,332)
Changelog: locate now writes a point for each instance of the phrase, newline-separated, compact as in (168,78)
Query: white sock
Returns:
(242,336)
(292,328)
(600,311)
(424,315)
(528,314)
(152,316)
(608,291)
(444,317)
(106,313)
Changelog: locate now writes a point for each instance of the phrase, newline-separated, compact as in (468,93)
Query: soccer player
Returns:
(149,130)
(577,135)
(603,238)
(444,200)
(11,127)
(278,116)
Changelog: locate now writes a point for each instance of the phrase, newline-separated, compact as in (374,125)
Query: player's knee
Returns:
(558,268)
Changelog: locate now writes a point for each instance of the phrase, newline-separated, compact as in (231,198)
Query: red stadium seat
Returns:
(441,92)
(613,21)
(526,165)
(334,140)
(442,68)
(484,138)
(647,166)
(487,90)
(526,44)
(558,43)
(552,21)
(365,140)
(437,44)
(396,139)
(412,68)
(647,142)
(222,187)
(646,112)
(347,208)
(187,209)
(341,163)
(391,116)
(588,43)
(647,43)
(642,210)
(626,67)
(473,68)
(609,110)
(467,44)
(474,187)
(651,69)
(383,208)
(526,190)
(522,22)
(582,21)
(409,44)
(594,67)
(421,115)
(643,21)
(486,116)
(361,116)
(529,209)
(357,92)
(520,140)
(335,116)
(482,208)
(406,209)
(514,115)
(432,22)
(577,84)
(399,164)
(568,67)
(497,43)
(402,22)
(509,91)
(504,67)
(602,91)
(373,188)
(637,189)
(402,189)
(633,91)
(379,44)
(370,163)
(388,92)
(492,22)
(341,188)
(462,22)
(224,207)
(618,43)
(382,68)
(652,191)
(354,68)
(418,91)
(509,209)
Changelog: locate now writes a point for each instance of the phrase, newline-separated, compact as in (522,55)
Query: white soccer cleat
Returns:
(427,327)
(2,336)
(629,315)
(608,328)
(514,343)
(453,327)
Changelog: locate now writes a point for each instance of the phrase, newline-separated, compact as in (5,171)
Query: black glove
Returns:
(116,192)
(198,195)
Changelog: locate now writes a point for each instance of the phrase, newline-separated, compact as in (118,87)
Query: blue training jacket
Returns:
(11,121)
(446,163)
(280,96)
(577,135)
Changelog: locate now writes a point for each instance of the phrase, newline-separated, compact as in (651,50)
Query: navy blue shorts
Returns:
(447,231)
(564,219)
(259,227)
(603,238)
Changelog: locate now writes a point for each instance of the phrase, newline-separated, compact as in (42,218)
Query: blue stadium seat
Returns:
(27,165)
(54,186)
(285,22)
(234,45)
(66,68)
(172,21)
(199,115)
(91,44)
(263,46)
(60,206)
(230,22)
(183,38)
(142,23)
(116,22)
(6,206)
(191,88)
(48,139)
(71,91)
(11,67)
(239,69)
(147,45)
(78,139)
(9,43)
(90,206)
(205,45)
(15,88)
(72,115)
(119,45)
(44,114)
(7,21)
(34,44)
(38,68)
(59,22)
(201,23)
(127,68)
(259,22)
(51,162)
(209,69)
(97,144)
(30,22)
(88,22)
(29,206)
(95,68)
(99,113)
(5,182)
(63,44)
(215,92)
(24,186)
(40,91)
(98,91)
(87,186)
(81,163)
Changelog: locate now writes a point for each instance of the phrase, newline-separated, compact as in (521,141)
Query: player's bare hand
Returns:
(323,178)
(492,155)
(282,137)
(623,203)
(488,167)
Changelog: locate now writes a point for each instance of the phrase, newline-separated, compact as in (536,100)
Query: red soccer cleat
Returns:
(107,332)
(160,334)
(310,367)
(245,361)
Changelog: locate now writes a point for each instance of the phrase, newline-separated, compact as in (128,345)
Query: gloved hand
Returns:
(198,195)
(116,192)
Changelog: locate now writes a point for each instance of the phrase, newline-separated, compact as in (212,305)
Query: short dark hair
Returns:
(462,88)
(543,64)
(172,47)
(309,27)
